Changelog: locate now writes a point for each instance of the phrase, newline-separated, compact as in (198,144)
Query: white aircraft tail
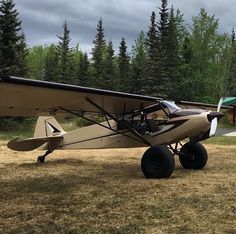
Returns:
(47,126)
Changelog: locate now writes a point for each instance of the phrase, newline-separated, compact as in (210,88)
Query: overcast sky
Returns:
(42,20)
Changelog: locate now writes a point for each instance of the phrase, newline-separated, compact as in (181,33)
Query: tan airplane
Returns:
(130,120)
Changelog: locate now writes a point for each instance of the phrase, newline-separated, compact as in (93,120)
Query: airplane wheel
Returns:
(193,156)
(41,159)
(157,162)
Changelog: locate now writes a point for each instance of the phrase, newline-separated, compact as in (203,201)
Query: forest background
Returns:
(170,60)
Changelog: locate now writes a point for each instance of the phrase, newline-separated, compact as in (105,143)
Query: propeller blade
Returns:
(213,127)
(220,104)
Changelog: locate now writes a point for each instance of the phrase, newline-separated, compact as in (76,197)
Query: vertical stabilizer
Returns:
(47,126)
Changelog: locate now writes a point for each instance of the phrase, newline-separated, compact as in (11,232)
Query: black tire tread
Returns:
(164,161)
(200,153)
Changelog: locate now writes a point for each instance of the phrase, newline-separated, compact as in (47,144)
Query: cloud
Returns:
(42,20)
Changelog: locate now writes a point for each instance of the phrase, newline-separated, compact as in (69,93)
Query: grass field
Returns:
(105,192)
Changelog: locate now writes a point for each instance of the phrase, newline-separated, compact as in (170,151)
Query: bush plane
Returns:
(129,120)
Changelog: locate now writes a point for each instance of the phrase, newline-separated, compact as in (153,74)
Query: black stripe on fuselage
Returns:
(176,123)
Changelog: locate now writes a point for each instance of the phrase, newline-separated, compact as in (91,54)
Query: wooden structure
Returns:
(231,101)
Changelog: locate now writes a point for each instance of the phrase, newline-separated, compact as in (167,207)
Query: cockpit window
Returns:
(172,107)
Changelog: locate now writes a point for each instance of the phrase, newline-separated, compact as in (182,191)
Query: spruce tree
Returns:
(123,67)
(65,57)
(163,79)
(233,36)
(12,41)
(138,63)
(51,70)
(83,77)
(162,25)
(173,60)
(22,53)
(98,54)
(185,84)
(12,51)
(148,83)
(109,76)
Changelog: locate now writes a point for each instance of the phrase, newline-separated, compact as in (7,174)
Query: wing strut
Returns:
(102,125)
(123,123)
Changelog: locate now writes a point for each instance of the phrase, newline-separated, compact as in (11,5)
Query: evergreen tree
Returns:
(98,54)
(163,80)
(51,70)
(123,67)
(162,25)
(138,63)
(233,36)
(12,51)
(12,41)
(148,83)
(21,68)
(181,31)
(173,60)
(109,76)
(83,77)
(187,53)
(185,84)
(65,57)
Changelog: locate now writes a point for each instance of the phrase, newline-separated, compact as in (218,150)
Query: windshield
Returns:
(172,107)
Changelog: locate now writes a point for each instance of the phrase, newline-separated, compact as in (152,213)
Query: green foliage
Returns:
(230,79)
(51,67)
(83,72)
(138,63)
(9,124)
(65,57)
(152,66)
(223,140)
(170,60)
(35,60)
(109,80)
(13,52)
(12,41)
(123,67)
(173,59)
(98,55)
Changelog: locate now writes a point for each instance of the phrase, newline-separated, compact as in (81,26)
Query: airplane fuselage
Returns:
(184,124)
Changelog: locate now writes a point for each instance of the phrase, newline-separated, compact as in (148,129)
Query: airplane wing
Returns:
(25,97)
(199,105)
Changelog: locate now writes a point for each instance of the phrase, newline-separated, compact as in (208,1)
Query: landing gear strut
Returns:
(41,159)
(191,155)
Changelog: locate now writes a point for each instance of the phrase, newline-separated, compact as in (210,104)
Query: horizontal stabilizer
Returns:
(32,143)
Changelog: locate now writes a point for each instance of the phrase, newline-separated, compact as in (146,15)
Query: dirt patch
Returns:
(104,191)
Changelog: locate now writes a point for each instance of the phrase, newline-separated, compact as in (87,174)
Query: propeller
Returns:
(214,117)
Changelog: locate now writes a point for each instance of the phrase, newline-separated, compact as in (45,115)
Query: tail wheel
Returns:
(157,162)
(193,156)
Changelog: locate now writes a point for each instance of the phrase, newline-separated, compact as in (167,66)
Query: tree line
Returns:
(170,60)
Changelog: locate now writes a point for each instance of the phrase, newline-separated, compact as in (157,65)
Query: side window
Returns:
(160,115)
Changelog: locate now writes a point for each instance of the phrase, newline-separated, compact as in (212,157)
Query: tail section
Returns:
(47,131)
(47,126)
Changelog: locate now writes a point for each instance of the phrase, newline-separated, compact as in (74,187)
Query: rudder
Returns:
(47,126)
